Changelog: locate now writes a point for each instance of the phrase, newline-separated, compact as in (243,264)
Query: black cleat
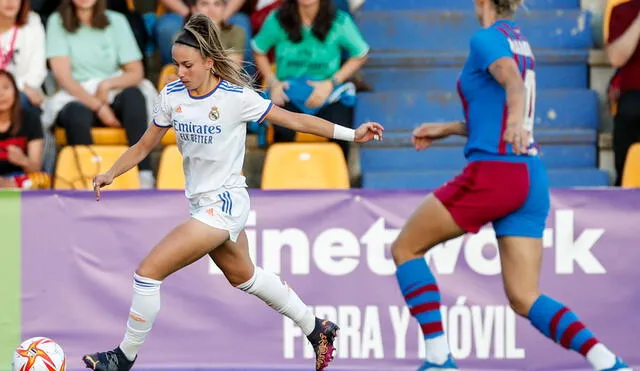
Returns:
(112,360)
(322,339)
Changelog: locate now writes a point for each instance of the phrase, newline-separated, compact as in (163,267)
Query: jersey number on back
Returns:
(530,99)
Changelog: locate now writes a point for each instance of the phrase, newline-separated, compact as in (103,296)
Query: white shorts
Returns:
(226,209)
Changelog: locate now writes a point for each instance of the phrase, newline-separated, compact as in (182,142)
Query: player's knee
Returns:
(148,271)
(522,302)
(401,253)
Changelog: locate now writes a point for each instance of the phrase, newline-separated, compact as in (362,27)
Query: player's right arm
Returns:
(130,158)
(137,152)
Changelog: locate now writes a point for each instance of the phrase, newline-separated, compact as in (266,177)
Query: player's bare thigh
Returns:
(521,260)
(428,226)
(233,260)
(184,245)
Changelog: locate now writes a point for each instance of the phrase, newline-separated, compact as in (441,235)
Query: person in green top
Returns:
(88,45)
(308,37)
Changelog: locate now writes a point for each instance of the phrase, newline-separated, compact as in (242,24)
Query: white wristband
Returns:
(343,133)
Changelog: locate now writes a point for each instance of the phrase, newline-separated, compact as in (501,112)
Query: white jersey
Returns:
(210,132)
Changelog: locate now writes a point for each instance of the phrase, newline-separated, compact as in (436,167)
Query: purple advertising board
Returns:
(78,257)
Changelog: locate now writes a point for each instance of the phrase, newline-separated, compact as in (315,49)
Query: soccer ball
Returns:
(39,354)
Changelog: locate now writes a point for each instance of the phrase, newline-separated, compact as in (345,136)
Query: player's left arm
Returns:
(506,72)
(315,125)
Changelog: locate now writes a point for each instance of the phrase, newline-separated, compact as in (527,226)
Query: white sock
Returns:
(437,349)
(144,308)
(268,287)
(600,357)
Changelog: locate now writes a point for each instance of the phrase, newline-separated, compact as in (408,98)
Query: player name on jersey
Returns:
(521,47)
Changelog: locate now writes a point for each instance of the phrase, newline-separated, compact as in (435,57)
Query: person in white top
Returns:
(209,108)
(22,50)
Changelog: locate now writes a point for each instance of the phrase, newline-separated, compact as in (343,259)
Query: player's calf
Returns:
(560,324)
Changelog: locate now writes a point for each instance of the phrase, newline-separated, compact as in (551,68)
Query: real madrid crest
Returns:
(214,113)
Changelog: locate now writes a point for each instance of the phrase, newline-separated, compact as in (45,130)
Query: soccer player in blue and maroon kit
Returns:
(504,183)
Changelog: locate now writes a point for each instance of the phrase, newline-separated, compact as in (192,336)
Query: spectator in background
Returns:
(621,34)
(308,37)
(171,22)
(21,142)
(232,36)
(22,50)
(95,59)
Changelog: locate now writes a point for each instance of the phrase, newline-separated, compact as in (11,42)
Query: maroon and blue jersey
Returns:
(484,99)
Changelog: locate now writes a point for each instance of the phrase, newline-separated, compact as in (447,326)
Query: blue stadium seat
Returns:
(404,110)
(461,4)
(429,180)
(573,76)
(438,31)
(555,156)
(543,137)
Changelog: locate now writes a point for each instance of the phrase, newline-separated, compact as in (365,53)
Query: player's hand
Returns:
(369,131)
(99,181)
(427,133)
(518,137)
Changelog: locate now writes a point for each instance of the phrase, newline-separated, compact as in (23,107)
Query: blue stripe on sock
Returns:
(412,275)
(143,284)
(430,316)
(581,337)
(542,312)
(565,321)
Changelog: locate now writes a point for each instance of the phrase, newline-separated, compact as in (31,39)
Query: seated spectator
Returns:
(22,48)
(170,23)
(96,60)
(621,34)
(21,141)
(308,37)
(232,36)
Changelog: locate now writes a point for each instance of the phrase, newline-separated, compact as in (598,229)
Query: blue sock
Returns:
(420,291)
(561,325)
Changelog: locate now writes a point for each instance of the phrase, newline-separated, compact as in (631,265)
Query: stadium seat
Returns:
(111,136)
(101,136)
(460,4)
(165,73)
(631,173)
(77,165)
(170,172)
(305,166)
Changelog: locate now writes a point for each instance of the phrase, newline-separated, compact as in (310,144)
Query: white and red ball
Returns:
(39,354)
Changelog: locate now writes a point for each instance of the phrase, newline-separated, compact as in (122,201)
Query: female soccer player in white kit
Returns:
(208,108)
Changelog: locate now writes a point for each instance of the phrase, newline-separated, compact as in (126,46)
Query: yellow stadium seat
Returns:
(309,138)
(77,165)
(305,166)
(170,172)
(169,138)
(631,173)
(167,74)
(101,136)
(111,137)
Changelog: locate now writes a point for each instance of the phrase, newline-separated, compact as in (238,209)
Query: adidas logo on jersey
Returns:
(178,109)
